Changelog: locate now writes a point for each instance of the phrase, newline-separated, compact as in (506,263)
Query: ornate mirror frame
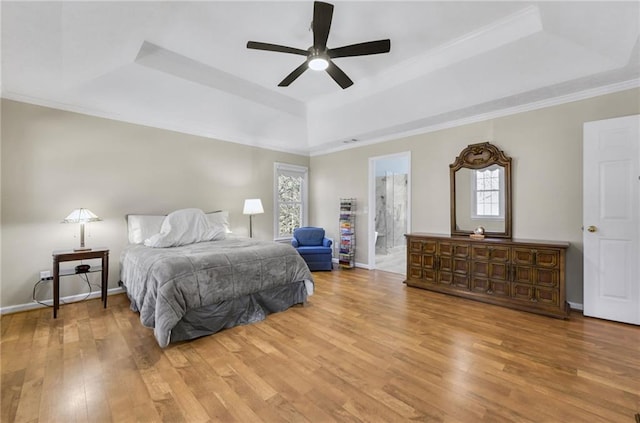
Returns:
(480,156)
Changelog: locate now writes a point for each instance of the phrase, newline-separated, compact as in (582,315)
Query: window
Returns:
(290,199)
(488,184)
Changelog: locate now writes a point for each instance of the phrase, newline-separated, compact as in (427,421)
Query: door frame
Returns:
(371,224)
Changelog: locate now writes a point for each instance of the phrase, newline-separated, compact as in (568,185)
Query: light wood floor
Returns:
(365,349)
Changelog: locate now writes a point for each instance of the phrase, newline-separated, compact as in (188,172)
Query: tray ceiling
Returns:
(184,66)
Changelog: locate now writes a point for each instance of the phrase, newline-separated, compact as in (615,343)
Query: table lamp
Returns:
(252,206)
(81,216)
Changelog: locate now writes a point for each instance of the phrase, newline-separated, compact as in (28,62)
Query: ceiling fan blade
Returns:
(361,49)
(275,47)
(339,76)
(293,75)
(322,15)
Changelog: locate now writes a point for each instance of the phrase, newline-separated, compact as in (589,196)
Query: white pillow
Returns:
(184,227)
(220,217)
(141,227)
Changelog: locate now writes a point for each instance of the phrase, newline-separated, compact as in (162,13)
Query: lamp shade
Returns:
(81,216)
(252,206)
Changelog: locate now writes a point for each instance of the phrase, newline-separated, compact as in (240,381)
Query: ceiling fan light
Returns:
(318,64)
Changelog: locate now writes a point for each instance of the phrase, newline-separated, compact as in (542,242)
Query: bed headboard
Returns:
(143,226)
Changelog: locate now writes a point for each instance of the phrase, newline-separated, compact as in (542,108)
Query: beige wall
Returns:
(546,148)
(54,161)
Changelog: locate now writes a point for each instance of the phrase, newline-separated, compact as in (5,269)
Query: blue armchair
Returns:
(314,248)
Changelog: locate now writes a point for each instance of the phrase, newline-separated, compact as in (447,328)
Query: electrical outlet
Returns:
(45,275)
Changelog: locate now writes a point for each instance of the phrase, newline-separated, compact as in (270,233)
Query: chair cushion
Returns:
(312,249)
(309,236)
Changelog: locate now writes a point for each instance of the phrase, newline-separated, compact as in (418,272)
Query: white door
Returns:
(611,219)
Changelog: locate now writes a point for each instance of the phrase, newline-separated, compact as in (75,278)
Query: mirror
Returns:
(481,191)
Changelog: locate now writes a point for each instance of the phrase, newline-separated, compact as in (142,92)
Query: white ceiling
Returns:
(184,66)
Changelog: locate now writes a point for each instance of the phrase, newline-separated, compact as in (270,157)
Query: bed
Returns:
(194,289)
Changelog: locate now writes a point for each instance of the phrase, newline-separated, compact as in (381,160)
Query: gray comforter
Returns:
(163,283)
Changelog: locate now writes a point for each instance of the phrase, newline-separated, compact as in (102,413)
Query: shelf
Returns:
(72,271)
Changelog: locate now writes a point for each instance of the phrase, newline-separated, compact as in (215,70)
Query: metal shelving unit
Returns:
(347,245)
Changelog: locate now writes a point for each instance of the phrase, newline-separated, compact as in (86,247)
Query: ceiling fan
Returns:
(319,57)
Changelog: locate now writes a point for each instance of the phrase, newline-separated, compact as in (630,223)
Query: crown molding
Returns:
(376,138)
(181,127)
(388,134)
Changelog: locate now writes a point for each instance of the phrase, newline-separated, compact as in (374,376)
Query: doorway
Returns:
(389,211)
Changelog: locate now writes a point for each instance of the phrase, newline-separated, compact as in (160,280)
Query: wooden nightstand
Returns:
(71,255)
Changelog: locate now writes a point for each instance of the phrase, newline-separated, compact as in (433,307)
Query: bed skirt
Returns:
(244,310)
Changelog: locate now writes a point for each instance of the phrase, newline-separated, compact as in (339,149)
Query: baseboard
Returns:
(576,306)
(356,264)
(69,299)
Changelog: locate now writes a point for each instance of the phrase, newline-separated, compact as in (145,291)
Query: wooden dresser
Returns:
(524,275)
